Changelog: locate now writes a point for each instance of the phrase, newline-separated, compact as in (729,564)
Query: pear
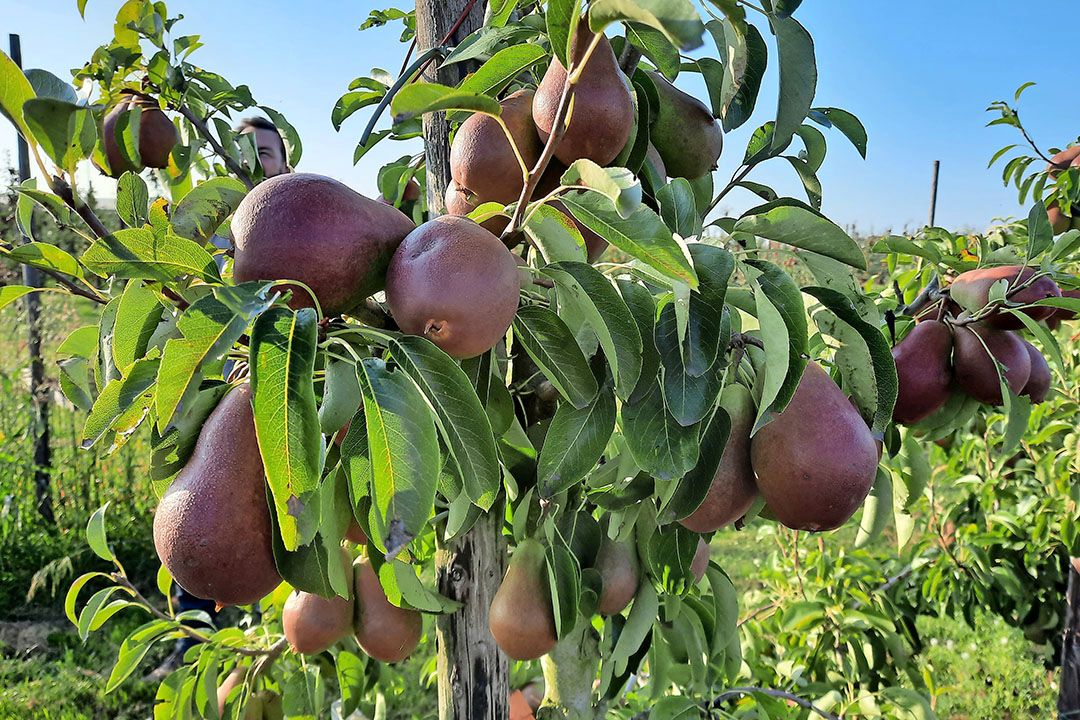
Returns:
(976,373)
(1061,314)
(521,618)
(233,679)
(1038,384)
(700,563)
(314,229)
(461,202)
(733,488)
(816,460)
(620,570)
(313,623)
(602,110)
(971,290)
(454,283)
(384,631)
(212,528)
(481,158)
(355,534)
(924,371)
(685,133)
(157,136)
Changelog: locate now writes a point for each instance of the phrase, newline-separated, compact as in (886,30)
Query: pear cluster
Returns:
(964,353)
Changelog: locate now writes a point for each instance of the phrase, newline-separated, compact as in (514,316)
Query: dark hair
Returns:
(262,124)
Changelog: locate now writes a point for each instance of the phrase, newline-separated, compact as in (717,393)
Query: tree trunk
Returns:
(39,391)
(1069,697)
(434,20)
(473,673)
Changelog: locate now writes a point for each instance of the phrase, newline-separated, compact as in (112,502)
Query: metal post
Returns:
(933,191)
(1069,695)
(39,391)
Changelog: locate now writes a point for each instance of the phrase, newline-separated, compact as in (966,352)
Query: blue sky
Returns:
(918,74)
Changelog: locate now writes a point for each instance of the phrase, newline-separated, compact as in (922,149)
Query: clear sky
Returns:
(919,75)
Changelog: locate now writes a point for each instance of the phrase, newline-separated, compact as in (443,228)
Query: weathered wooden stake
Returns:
(1069,695)
(473,673)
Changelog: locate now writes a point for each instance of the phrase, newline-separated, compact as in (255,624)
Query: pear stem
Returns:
(558,129)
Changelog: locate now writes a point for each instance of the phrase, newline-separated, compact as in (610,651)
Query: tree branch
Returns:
(62,190)
(204,131)
(272,651)
(781,694)
(412,71)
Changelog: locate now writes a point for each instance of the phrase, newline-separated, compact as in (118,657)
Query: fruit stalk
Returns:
(569,670)
(558,129)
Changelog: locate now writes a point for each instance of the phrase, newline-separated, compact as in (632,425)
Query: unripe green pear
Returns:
(685,133)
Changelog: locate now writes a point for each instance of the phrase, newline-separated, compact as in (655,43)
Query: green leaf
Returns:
(11,293)
(200,213)
(659,444)
(643,613)
(564,579)
(1040,234)
(802,228)
(460,417)
(95,535)
(416,594)
(283,348)
(47,85)
(132,200)
(654,45)
(134,649)
(643,235)
(562,20)
(65,217)
(877,509)
(209,328)
(678,208)
(552,346)
(500,69)
(599,302)
(15,92)
(574,443)
(555,235)
(139,253)
(404,449)
(351,102)
(675,708)
(798,76)
(65,131)
(420,98)
(72,596)
(901,244)
(678,20)
(846,123)
(130,396)
(877,345)
(617,184)
(694,485)
(46,257)
(641,305)
(782,318)
(137,317)
(748,58)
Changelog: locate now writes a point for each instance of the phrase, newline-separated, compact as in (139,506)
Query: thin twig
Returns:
(450,33)
(384,103)
(73,288)
(558,129)
(123,582)
(203,130)
(783,695)
(737,178)
(62,190)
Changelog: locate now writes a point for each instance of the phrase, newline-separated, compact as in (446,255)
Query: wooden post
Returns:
(933,191)
(473,673)
(39,391)
(1069,695)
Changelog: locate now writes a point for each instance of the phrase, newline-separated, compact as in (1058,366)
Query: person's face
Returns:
(268,144)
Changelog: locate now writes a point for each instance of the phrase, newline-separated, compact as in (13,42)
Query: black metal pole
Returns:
(933,191)
(1069,695)
(39,391)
